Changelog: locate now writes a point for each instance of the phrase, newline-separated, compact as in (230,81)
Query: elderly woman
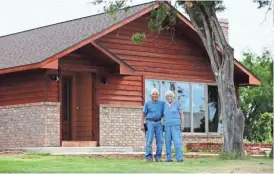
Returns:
(174,125)
(152,115)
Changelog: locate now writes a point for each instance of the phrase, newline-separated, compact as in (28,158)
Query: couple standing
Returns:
(172,112)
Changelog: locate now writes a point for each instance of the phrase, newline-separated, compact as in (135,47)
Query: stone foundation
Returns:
(30,125)
(202,138)
(120,126)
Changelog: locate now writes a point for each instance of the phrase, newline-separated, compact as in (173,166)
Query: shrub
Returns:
(262,129)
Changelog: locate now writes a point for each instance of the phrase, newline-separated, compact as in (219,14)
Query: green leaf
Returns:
(138,38)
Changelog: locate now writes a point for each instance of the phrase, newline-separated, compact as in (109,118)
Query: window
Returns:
(166,86)
(183,96)
(200,103)
(213,109)
(149,85)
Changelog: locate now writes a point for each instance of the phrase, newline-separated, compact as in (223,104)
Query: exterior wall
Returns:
(22,87)
(156,58)
(52,90)
(120,126)
(30,125)
(122,90)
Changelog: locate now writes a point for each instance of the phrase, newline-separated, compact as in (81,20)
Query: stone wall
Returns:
(120,126)
(30,125)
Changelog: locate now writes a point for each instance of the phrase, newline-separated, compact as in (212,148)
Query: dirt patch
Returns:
(6,152)
(141,156)
(116,156)
(30,157)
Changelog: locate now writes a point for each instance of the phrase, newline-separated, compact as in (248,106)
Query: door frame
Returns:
(71,75)
(95,113)
(69,120)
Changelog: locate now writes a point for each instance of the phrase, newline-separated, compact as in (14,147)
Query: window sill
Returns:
(188,134)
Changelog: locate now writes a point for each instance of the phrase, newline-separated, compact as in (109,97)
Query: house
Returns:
(83,82)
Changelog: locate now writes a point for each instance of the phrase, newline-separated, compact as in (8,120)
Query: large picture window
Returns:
(200,103)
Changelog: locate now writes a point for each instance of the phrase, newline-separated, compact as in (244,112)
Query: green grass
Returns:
(31,163)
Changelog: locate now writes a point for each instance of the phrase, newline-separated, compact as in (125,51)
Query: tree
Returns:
(203,17)
(257,100)
(262,128)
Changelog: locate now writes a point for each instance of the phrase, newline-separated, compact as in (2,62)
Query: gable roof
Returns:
(36,45)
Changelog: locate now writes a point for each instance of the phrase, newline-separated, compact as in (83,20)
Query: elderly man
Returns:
(152,115)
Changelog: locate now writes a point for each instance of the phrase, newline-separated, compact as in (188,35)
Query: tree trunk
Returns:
(221,57)
(233,118)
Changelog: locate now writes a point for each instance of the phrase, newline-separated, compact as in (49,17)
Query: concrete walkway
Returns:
(74,150)
(101,151)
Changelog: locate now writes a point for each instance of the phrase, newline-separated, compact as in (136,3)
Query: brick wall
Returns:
(120,126)
(30,125)
(202,138)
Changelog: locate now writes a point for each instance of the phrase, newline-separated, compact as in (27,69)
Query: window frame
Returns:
(191,100)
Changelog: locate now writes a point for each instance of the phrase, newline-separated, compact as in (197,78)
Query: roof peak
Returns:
(151,2)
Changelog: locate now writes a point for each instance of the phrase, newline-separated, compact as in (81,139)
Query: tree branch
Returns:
(213,54)
(268,9)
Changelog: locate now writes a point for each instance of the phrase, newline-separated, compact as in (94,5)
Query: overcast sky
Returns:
(245,28)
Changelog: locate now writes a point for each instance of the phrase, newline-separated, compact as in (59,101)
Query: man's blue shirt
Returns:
(154,110)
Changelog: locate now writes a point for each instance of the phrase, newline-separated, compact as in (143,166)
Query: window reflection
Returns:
(149,84)
(213,117)
(166,86)
(198,104)
(183,96)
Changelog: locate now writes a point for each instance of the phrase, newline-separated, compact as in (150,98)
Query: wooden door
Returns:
(84,106)
(66,107)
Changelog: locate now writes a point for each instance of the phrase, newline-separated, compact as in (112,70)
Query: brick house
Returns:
(83,82)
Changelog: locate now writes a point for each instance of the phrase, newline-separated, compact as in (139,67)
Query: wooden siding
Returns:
(123,90)
(156,58)
(22,87)
(52,90)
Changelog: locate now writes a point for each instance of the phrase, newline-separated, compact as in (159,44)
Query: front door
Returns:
(79,113)
(84,106)
(66,107)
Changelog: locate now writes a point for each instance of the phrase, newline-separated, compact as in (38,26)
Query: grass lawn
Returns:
(47,163)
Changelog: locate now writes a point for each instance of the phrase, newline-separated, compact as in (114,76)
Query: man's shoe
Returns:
(158,160)
(169,161)
(180,161)
(148,160)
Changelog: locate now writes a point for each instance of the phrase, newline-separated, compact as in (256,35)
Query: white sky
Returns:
(245,29)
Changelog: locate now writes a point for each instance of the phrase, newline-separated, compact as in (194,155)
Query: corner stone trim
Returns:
(30,125)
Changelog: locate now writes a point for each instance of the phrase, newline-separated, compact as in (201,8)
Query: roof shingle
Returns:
(34,46)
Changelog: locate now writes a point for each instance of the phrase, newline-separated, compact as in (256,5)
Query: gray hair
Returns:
(169,93)
(154,90)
